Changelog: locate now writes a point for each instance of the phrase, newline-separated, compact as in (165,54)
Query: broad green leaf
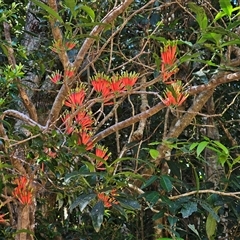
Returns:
(201,16)
(193,145)
(88,10)
(74,174)
(233,42)
(158,215)
(151,180)
(192,227)
(172,220)
(220,145)
(219,16)
(226,6)
(201,146)
(154,153)
(82,201)
(208,208)
(166,183)
(189,57)
(71,4)
(97,215)
(211,224)
(152,197)
(129,203)
(48,9)
(222,158)
(188,209)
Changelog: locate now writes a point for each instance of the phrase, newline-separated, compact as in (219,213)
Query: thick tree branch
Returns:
(224,77)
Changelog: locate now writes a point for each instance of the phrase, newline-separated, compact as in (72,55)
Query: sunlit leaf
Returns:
(201,16)
(154,153)
(97,215)
(88,10)
(211,224)
(226,7)
(201,146)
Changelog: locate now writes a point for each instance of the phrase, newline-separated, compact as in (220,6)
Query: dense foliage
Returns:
(119,119)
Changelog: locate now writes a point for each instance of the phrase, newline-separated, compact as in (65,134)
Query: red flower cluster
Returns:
(174,95)
(101,152)
(23,192)
(55,77)
(168,68)
(108,199)
(76,97)
(108,88)
(2,220)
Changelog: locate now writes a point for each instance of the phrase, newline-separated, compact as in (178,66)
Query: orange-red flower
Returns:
(23,192)
(85,120)
(101,84)
(128,80)
(55,77)
(85,139)
(174,95)
(75,98)
(70,45)
(108,199)
(68,123)
(69,72)
(168,67)
(50,153)
(2,220)
(101,152)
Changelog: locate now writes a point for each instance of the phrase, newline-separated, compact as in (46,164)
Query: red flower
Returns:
(174,96)
(128,80)
(101,152)
(75,98)
(2,220)
(70,45)
(168,67)
(108,200)
(55,77)
(101,84)
(85,139)
(50,153)
(23,191)
(69,72)
(116,85)
(68,123)
(84,120)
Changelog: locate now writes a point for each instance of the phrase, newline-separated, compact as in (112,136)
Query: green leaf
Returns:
(226,6)
(154,153)
(208,208)
(221,146)
(201,16)
(129,203)
(211,224)
(82,201)
(192,227)
(48,9)
(88,10)
(193,145)
(188,209)
(71,4)
(97,215)
(152,197)
(201,146)
(166,183)
(151,180)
